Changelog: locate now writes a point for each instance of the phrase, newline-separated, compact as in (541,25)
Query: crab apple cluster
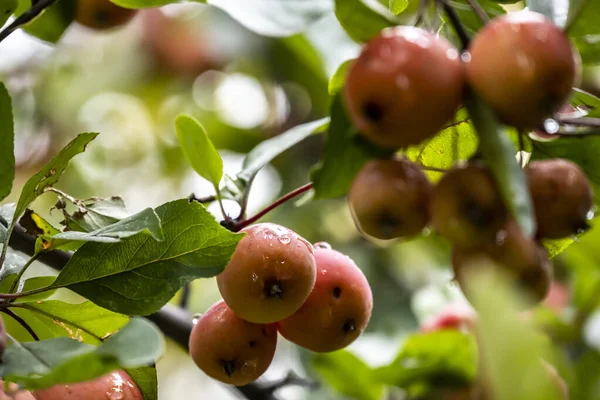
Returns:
(115,385)
(407,84)
(276,281)
(101,14)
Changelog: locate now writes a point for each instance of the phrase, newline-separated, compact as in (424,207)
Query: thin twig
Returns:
(21,322)
(291,379)
(458,26)
(186,292)
(245,222)
(54,317)
(479,11)
(26,17)
(11,296)
(15,284)
(433,169)
(584,121)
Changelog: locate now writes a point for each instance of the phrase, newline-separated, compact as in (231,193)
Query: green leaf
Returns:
(33,283)
(343,156)
(7,8)
(267,150)
(53,22)
(363,19)
(555,10)
(580,98)
(145,221)
(53,318)
(583,29)
(338,80)
(583,18)
(347,374)
(444,356)
(274,18)
(469,18)
(38,365)
(146,380)
(138,275)
(457,142)
(51,172)
(508,340)
(35,225)
(499,153)
(7,141)
(95,213)
(397,6)
(198,149)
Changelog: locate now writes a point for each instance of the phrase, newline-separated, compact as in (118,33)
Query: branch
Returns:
(26,17)
(174,322)
(237,226)
(21,322)
(477,9)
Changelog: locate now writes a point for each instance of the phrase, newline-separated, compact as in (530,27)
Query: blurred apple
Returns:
(178,47)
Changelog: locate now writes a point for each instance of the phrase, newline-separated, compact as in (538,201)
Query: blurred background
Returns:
(130,83)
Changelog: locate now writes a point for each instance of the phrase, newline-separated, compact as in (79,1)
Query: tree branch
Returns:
(26,17)
(21,322)
(455,22)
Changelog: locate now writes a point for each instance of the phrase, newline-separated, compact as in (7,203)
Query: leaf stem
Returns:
(11,296)
(21,322)
(479,11)
(15,284)
(296,192)
(54,317)
(458,26)
(35,10)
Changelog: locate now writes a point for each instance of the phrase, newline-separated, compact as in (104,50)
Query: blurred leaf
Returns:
(583,29)
(581,98)
(512,350)
(53,318)
(6,212)
(363,19)
(145,221)
(198,149)
(146,379)
(95,213)
(458,141)
(138,275)
(7,140)
(499,153)
(33,283)
(347,374)
(13,263)
(397,6)
(344,154)
(447,356)
(555,10)
(587,371)
(267,150)
(7,8)
(337,81)
(583,18)
(275,18)
(469,18)
(51,172)
(38,365)
(52,23)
